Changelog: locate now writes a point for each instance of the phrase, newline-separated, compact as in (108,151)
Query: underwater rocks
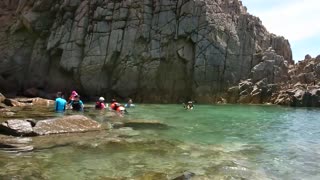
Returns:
(15,144)
(66,124)
(145,124)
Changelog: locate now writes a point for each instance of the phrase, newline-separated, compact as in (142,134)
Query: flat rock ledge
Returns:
(66,124)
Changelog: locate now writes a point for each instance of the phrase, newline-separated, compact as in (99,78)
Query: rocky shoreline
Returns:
(298,87)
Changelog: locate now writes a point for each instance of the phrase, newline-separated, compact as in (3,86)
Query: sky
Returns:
(296,20)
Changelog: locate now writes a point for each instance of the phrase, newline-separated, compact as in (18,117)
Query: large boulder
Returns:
(16,127)
(66,124)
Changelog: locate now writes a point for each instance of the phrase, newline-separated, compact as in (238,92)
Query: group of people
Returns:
(76,104)
(73,102)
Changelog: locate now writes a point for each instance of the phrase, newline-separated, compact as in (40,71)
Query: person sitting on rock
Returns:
(100,104)
(77,104)
(60,103)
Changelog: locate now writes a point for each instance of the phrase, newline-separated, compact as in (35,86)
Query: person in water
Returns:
(72,96)
(77,104)
(189,105)
(100,104)
(60,103)
(129,103)
(115,106)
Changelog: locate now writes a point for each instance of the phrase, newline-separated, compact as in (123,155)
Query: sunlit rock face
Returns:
(152,50)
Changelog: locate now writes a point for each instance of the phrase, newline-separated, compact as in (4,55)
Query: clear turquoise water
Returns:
(213,141)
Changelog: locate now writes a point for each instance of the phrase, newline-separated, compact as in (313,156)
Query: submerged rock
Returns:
(185,176)
(145,124)
(15,144)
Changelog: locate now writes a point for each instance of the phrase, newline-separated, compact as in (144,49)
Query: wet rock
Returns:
(66,124)
(185,176)
(2,106)
(15,103)
(36,101)
(152,175)
(7,114)
(16,127)
(126,132)
(15,144)
(145,124)
(117,125)
(2,98)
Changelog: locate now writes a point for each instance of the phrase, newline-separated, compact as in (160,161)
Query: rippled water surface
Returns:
(214,142)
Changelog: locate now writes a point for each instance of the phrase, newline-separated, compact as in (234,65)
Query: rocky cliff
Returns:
(151,50)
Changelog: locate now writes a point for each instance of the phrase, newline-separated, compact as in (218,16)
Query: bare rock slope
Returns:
(152,50)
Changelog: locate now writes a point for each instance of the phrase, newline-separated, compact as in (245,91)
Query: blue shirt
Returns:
(60,104)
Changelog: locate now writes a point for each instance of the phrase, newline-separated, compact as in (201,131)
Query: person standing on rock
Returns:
(60,104)
(77,104)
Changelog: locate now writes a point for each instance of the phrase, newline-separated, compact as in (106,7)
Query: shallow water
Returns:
(214,142)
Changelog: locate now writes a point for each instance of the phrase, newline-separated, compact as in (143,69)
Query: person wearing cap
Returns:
(189,105)
(100,104)
(72,96)
(77,104)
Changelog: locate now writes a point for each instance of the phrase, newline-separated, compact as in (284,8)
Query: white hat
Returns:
(121,108)
(101,98)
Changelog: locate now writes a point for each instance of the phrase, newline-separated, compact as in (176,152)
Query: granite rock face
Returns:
(152,50)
